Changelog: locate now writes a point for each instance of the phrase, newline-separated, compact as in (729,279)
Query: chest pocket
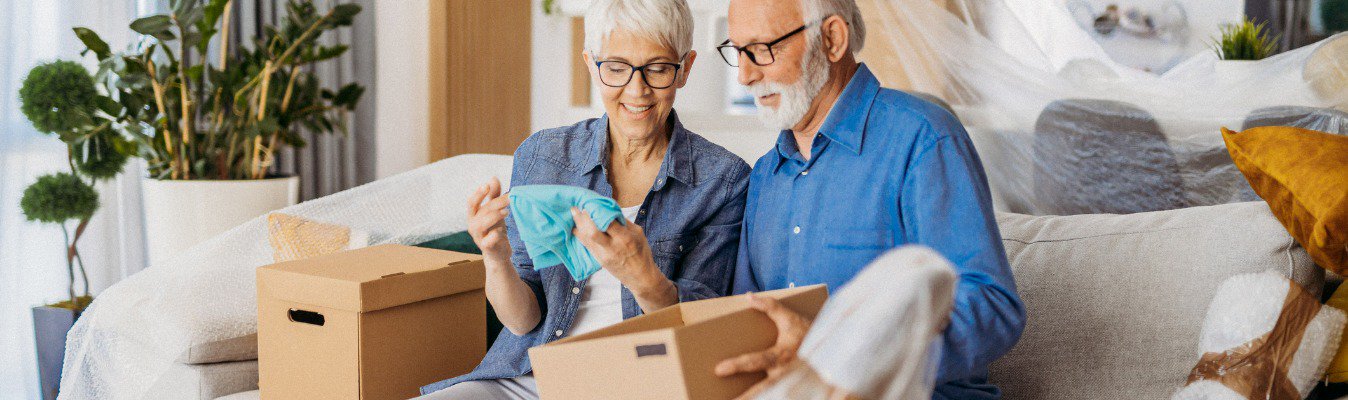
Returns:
(669,250)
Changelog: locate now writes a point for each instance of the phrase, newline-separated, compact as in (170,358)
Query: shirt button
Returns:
(558,333)
(796,230)
(680,247)
(575,290)
(791,285)
(643,211)
(660,182)
(805,172)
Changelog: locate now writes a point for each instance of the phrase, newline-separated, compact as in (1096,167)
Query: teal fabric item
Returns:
(543,215)
(459,241)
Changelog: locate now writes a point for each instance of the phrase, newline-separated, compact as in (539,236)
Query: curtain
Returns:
(330,163)
(32,264)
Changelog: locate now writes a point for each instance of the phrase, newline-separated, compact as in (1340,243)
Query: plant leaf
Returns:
(154,25)
(93,43)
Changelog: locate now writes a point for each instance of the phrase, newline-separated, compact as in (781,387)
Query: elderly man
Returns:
(857,170)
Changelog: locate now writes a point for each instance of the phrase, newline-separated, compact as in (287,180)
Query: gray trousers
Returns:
(521,388)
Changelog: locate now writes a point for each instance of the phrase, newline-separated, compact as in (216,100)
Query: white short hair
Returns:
(816,10)
(668,22)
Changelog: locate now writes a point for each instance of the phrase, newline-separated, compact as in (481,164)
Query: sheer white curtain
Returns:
(31,264)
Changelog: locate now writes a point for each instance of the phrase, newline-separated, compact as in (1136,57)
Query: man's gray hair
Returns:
(816,10)
(668,22)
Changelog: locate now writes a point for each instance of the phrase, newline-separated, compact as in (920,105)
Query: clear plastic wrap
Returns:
(1063,129)
(134,338)
(1264,338)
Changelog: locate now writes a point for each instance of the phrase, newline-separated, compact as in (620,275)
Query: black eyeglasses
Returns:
(657,75)
(759,53)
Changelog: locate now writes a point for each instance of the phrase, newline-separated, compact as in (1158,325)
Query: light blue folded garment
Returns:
(542,214)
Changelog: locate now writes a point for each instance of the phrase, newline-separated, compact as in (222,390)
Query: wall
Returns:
(400,86)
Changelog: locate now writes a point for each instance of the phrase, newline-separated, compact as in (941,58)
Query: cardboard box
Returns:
(371,323)
(667,354)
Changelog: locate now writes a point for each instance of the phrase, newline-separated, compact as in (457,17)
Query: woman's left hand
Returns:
(624,252)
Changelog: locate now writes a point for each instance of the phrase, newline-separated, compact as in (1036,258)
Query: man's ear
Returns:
(836,36)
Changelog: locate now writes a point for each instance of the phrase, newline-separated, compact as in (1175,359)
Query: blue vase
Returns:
(50,325)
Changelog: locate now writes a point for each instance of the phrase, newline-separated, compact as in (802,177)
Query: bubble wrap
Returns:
(1246,307)
(130,337)
(1091,135)
(877,338)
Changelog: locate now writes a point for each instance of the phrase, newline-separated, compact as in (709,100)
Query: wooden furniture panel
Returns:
(479,76)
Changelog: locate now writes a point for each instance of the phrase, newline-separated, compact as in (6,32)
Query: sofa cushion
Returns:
(1302,174)
(1115,302)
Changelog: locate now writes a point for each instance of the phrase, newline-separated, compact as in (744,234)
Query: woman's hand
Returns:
(515,303)
(624,252)
(486,221)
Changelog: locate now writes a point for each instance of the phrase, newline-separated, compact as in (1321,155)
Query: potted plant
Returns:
(209,123)
(60,98)
(1239,46)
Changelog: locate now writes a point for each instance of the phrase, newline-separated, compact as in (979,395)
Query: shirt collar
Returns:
(846,121)
(678,161)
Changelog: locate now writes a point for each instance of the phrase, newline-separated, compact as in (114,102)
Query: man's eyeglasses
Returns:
(759,53)
(658,75)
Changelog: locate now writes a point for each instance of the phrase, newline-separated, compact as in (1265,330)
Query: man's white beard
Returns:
(793,99)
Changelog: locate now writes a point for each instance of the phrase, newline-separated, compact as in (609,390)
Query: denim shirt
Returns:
(886,169)
(691,217)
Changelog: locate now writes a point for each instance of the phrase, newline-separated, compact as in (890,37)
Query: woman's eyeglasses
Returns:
(658,75)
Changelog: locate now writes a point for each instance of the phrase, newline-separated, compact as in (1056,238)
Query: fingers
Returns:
(475,200)
(791,326)
(586,230)
(752,362)
(494,188)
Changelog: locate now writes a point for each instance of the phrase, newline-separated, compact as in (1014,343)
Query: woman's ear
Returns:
(590,66)
(836,38)
(687,67)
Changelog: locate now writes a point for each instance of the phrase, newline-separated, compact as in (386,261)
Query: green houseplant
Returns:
(208,118)
(60,99)
(1245,41)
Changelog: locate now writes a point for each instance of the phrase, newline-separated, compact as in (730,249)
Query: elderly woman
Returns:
(685,195)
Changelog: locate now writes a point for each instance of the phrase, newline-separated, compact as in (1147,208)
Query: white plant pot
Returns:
(180,214)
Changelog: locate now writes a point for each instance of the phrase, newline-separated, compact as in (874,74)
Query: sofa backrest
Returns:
(1115,303)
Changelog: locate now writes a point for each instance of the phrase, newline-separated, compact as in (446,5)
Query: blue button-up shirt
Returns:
(886,169)
(691,217)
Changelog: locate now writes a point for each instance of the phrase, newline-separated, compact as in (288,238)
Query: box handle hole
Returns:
(306,317)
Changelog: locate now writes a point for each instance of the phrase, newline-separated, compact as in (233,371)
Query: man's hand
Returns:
(624,252)
(791,329)
(486,221)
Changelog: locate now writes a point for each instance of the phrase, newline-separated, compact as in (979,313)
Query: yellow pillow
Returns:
(295,238)
(1303,176)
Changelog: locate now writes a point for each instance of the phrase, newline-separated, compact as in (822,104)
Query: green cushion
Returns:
(458,241)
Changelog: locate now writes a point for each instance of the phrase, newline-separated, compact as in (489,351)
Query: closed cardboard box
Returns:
(667,354)
(372,323)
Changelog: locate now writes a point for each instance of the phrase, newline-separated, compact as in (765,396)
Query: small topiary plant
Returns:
(58,97)
(1245,41)
(61,98)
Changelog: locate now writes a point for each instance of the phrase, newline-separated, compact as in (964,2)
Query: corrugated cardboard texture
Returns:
(670,352)
(394,318)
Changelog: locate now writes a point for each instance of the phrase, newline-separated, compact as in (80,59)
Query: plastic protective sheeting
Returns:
(128,343)
(1062,135)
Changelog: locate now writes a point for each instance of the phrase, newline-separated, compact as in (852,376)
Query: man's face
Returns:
(784,89)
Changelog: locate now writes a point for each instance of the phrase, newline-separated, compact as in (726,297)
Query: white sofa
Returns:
(1115,301)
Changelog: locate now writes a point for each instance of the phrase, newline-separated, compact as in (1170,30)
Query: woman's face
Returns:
(637,110)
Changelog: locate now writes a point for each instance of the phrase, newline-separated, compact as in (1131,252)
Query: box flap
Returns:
(373,278)
(702,310)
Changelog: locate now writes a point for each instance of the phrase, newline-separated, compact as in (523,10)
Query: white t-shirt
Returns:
(601,302)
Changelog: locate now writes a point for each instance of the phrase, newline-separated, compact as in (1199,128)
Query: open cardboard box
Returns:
(667,354)
(371,323)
